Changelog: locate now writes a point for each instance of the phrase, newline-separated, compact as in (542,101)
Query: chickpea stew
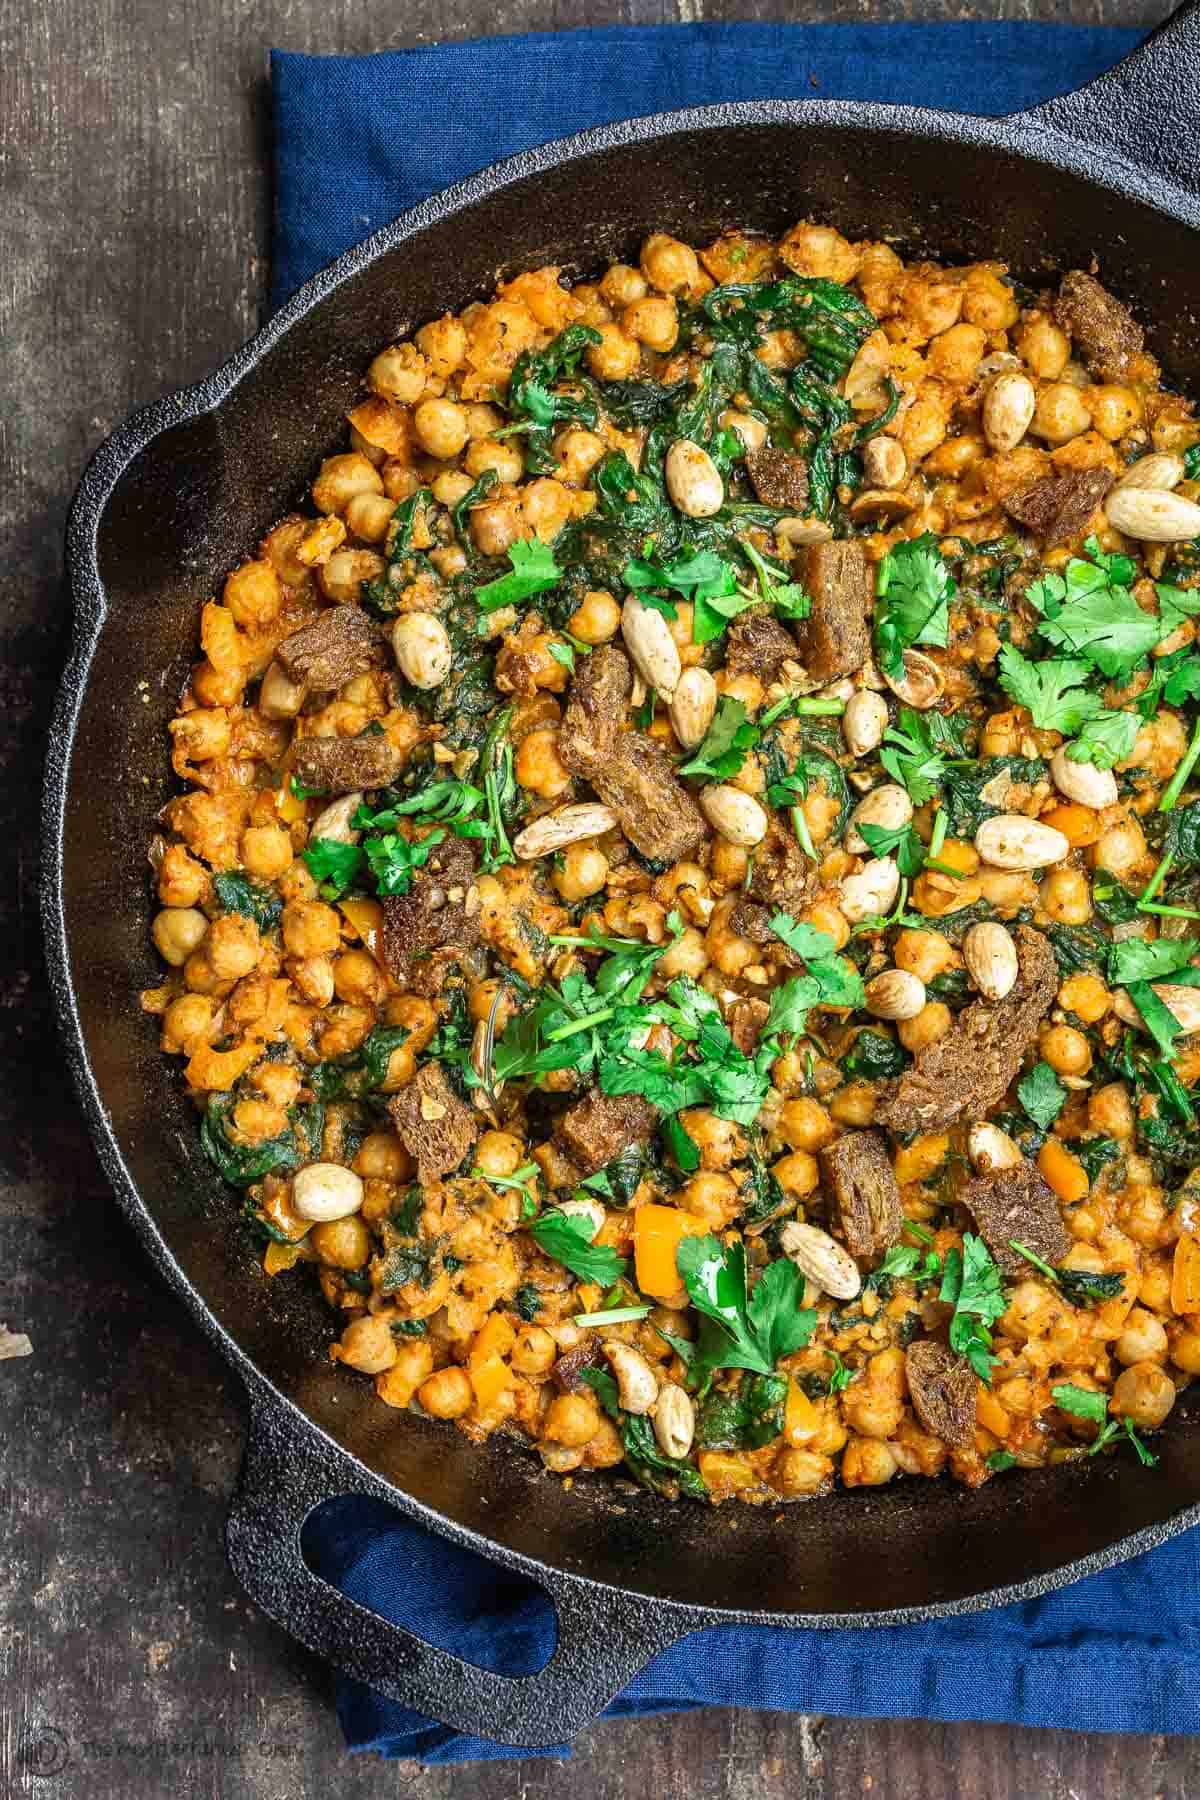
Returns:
(682,908)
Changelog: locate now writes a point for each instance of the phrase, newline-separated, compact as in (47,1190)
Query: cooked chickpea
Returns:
(1110,1110)
(719,1141)
(447,1393)
(342,1243)
(854,1104)
(571,1420)
(444,342)
(1120,848)
(366,1344)
(1115,410)
(925,954)
(1067,896)
(1060,413)
(616,357)
(1066,1050)
(1185,1352)
(357,978)
(954,355)
(441,427)
(653,321)
(867,1463)
(252,594)
(266,851)
(538,766)
(186,1023)
(382,1157)
(621,285)
(1086,996)
(798,1173)
(710,1196)
(493,527)
(800,1472)
(399,373)
(1142,1340)
(578,452)
(596,619)
(502,457)
(177,931)
(584,872)
(546,507)
(687,957)
(930,1024)
(233,947)
(534,1351)
(340,478)
(804,1124)
(669,265)
(1144,1394)
(819,250)
(499,1153)
(310,928)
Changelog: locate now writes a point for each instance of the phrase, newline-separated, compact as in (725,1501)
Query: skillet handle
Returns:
(604,1637)
(1146,110)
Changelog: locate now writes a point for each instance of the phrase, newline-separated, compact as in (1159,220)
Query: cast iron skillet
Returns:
(187,487)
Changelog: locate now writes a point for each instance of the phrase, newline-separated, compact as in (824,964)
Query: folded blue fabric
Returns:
(358,139)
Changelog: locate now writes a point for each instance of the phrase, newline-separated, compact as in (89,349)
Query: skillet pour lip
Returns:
(1030,138)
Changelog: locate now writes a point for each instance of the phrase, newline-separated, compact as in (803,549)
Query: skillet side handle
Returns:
(1146,110)
(604,1637)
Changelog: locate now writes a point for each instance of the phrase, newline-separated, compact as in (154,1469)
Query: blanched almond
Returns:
(334,822)
(1152,515)
(864,722)
(884,463)
(864,384)
(637,1384)
(895,994)
(736,816)
(1162,469)
(674,1420)
(991,959)
(1011,841)
(566,826)
(1008,407)
(693,480)
(422,649)
(693,706)
(822,1259)
(1083,782)
(871,892)
(887,806)
(648,639)
(989,1148)
(325,1191)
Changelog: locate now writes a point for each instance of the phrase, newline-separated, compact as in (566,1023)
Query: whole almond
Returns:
(674,1417)
(870,893)
(991,959)
(1011,841)
(989,1148)
(693,480)
(1152,515)
(864,384)
(422,647)
(895,994)
(648,640)
(335,821)
(1162,469)
(864,722)
(922,683)
(566,826)
(887,806)
(1083,782)
(822,1259)
(693,706)
(1008,407)
(736,816)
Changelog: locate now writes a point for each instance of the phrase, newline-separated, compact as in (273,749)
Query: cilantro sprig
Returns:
(972,1285)
(567,1237)
(534,571)
(742,1329)
(914,588)
(726,745)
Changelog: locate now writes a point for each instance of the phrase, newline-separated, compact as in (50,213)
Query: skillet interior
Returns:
(199,496)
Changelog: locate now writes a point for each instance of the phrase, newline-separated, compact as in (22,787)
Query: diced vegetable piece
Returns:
(1185,1275)
(801,1420)
(657,1234)
(1064,1172)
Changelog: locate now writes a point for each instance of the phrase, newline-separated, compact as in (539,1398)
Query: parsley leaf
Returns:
(914,751)
(727,742)
(534,570)
(804,939)
(972,1284)
(914,588)
(702,577)
(743,1332)
(1042,1095)
(334,865)
(1051,689)
(787,598)
(567,1237)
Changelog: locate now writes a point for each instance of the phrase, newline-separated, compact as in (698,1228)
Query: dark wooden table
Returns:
(133,245)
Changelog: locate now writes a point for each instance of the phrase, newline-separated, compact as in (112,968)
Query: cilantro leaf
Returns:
(804,939)
(1136,960)
(1091,612)
(972,1284)
(681,1144)
(534,570)
(1157,1016)
(727,742)
(1042,1095)
(702,577)
(567,1237)
(1107,738)
(392,859)
(914,588)
(914,751)
(882,841)
(334,864)
(1081,1402)
(751,1332)
(1174,678)
(1051,689)
(787,598)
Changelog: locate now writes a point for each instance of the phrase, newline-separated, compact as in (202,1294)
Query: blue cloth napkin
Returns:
(357,140)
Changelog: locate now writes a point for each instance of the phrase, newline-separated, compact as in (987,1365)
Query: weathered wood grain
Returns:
(134,173)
